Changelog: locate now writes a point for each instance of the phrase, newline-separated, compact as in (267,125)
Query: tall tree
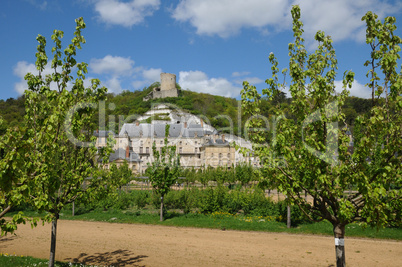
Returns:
(59,111)
(309,152)
(164,170)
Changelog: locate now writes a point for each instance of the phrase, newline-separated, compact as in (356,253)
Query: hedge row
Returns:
(250,201)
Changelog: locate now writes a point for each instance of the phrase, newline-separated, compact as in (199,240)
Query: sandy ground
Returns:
(148,245)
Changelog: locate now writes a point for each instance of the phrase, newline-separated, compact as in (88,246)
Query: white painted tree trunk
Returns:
(339,234)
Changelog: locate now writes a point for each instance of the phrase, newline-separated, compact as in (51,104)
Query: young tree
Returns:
(310,152)
(120,175)
(59,111)
(164,170)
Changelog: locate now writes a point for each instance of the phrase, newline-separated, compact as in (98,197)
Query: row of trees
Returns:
(48,159)
(241,174)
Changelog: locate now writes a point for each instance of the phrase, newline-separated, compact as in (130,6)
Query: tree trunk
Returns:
(161,212)
(339,234)
(288,218)
(73,209)
(53,243)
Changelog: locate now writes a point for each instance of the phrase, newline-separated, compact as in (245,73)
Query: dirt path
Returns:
(149,245)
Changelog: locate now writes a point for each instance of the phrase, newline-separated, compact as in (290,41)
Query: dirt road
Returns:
(148,245)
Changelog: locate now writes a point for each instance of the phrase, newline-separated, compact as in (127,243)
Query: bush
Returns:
(213,199)
(140,198)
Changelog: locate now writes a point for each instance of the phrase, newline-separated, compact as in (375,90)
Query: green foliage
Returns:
(59,127)
(164,170)
(309,151)
(120,175)
(185,200)
(8,260)
(15,170)
(12,111)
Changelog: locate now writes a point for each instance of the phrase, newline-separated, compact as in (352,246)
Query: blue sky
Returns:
(211,45)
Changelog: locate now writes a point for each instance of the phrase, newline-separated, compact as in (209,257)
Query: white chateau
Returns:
(198,143)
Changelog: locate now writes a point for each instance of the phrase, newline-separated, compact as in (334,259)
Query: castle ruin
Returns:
(167,88)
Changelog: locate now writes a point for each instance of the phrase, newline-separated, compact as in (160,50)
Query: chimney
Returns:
(185,124)
(137,123)
(223,138)
(202,123)
(97,130)
(127,152)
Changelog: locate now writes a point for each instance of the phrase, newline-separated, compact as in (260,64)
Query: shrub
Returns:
(212,200)
(140,198)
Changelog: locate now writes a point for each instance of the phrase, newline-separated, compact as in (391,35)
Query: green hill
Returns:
(221,112)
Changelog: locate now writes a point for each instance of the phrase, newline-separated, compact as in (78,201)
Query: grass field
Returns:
(7,260)
(225,221)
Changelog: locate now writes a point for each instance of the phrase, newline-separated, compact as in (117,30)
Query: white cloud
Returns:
(250,80)
(227,17)
(119,66)
(114,68)
(114,85)
(148,77)
(198,81)
(238,74)
(358,89)
(22,68)
(152,74)
(341,19)
(127,14)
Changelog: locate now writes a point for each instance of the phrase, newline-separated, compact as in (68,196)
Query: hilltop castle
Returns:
(167,88)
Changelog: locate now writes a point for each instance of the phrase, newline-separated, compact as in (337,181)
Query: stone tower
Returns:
(168,81)
(167,88)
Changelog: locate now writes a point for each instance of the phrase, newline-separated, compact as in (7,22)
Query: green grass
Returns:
(225,221)
(7,260)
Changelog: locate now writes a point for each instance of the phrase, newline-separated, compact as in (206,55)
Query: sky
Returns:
(211,45)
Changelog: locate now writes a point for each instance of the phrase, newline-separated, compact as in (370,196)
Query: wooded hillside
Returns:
(217,109)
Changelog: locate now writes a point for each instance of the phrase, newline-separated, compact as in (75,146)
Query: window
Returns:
(180,150)
(141,143)
(147,150)
(141,149)
(161,142)
(228,155)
